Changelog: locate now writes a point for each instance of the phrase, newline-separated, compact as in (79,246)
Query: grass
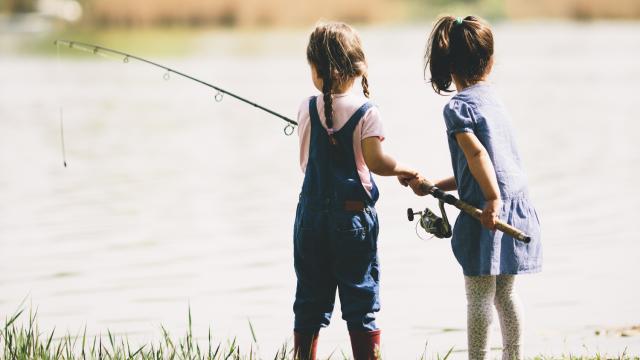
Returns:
(25,342)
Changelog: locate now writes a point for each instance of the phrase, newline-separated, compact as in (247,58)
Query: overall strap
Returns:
(349,126)
(353,121)
(345,137)
(313,112)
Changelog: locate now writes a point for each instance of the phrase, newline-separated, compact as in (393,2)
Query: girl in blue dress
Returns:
(488,174)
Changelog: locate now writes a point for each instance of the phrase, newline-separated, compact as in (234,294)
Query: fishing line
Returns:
(420,236)
(218,97)
(61,112)
(64,153)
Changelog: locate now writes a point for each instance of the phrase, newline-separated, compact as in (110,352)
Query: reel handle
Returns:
(410,214)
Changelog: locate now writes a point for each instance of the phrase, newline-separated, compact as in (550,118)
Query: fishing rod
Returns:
(126,57)
(441,228)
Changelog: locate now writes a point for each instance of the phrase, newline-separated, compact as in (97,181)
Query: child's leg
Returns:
(480,294)
(316,286)
(357,272)
(510,314)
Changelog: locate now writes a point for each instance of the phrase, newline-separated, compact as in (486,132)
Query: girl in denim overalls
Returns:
(336,226)
(487,174)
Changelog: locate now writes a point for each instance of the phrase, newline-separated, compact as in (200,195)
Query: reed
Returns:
(24,341)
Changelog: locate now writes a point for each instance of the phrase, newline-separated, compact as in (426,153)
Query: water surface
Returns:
(174,200)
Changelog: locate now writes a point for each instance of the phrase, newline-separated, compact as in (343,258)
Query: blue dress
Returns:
(479,250)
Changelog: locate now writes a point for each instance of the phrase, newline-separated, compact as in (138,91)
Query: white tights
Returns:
(483,292)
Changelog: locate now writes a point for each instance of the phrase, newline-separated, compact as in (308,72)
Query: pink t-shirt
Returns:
(344,105)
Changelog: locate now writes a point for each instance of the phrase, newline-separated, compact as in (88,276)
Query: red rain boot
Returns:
(365,344)
(304,346)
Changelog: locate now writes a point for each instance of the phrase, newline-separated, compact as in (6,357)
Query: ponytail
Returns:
(463,47)
(437,55)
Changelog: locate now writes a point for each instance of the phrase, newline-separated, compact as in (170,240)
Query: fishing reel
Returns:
(432,223)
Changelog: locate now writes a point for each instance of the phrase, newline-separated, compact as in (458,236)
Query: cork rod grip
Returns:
(500,225)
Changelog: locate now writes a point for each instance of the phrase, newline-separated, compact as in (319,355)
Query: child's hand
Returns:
(406,175)
(405,179)
(416,185)
(490,213)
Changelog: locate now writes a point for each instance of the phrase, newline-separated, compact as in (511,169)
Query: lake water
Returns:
(173,200)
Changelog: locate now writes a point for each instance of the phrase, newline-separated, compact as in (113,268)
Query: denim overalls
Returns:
(335,234)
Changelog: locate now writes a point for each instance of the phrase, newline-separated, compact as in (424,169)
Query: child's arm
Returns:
(382,164)
(447,184)
(482,170)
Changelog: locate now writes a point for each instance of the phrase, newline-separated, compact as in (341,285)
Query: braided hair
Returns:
(335,51)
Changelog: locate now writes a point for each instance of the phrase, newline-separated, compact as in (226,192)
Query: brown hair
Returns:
(336,53)
(461,47)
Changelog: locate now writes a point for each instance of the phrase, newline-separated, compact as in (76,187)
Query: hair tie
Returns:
(459,20)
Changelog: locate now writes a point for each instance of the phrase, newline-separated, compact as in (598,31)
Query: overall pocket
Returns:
(357,231)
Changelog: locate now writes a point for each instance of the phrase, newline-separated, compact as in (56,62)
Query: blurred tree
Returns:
(454,2)
(236,12)
(577,9)
(428,9)
(18,6)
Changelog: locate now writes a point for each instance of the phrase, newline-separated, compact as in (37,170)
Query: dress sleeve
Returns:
(458,117)
(371,124)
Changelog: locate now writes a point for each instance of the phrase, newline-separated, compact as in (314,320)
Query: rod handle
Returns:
(500,225)
(515,233)
(428,187)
